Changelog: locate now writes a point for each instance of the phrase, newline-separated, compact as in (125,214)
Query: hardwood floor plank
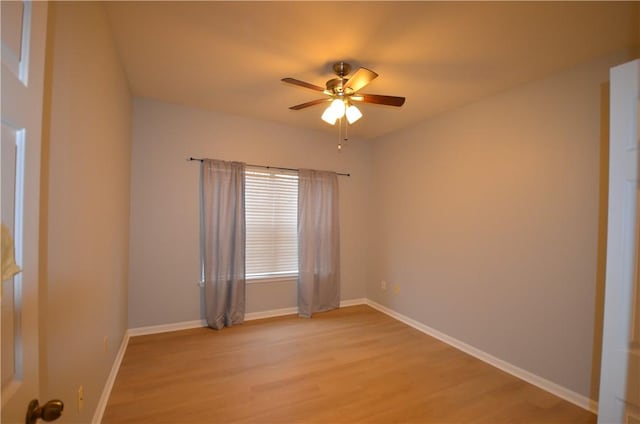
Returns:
(354,364)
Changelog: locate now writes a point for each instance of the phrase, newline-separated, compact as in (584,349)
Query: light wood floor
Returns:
(350,365)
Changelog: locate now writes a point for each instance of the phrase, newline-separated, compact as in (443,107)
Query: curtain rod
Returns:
(274,167)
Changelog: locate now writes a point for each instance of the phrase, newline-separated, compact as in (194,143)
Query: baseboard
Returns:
(185,325)
(165,328)
(106,391)
(558,390)
(353,302)
(270,314)
(294,310)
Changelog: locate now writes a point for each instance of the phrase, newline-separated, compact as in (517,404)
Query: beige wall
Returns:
(164,244)
(488,222)
(85,233)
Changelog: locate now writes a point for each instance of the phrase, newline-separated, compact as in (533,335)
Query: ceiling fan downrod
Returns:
(341,69)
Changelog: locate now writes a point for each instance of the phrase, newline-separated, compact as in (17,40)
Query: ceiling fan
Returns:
(343,91)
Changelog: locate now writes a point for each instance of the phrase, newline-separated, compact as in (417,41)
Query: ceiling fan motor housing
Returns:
(334,85)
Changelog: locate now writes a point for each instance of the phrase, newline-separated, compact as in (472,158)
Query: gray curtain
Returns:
(318,242)
(224,242)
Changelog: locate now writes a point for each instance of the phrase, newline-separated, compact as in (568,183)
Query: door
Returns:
(619,400)
(23,46)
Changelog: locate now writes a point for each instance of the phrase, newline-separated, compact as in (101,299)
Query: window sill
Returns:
(266,280)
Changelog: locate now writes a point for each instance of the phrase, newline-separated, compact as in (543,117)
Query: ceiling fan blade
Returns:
(302,84)
(360,78)
(311,103)
(379,99)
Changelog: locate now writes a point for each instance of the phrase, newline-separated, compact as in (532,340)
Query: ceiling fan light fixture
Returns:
(329,116)
(335,111)
(338,107)
(353,114)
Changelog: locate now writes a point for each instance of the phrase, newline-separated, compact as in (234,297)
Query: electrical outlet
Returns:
(80,398)
(105,344)
(396,289)
(383,285)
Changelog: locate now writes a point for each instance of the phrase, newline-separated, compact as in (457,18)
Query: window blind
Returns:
(271,211)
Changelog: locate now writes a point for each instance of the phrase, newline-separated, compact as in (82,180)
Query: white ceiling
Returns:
(230,56)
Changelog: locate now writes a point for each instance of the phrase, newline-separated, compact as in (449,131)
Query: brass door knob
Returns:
(50,411)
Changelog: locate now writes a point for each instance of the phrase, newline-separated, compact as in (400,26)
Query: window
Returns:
(271,210)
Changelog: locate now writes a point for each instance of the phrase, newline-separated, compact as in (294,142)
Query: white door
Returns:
(23,46)
(619,400)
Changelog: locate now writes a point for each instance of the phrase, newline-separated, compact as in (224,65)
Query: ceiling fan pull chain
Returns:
(346,131)
(339,134)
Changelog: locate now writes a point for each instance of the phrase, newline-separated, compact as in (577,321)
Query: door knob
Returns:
(50,411)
